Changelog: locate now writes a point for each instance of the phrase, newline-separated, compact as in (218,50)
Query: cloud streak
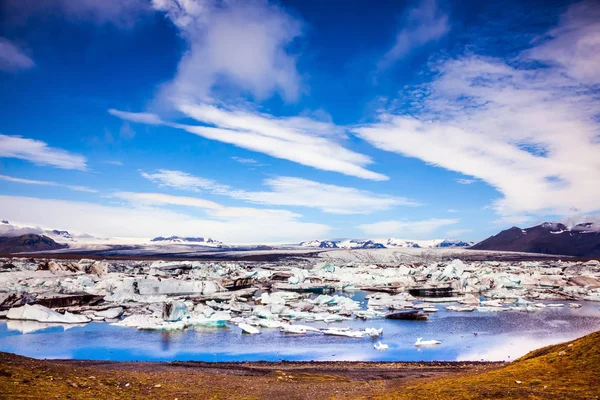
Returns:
(47,183)
(401,228)
(298,139)
(38,152)
(12,58)
(288,191)
(422,25)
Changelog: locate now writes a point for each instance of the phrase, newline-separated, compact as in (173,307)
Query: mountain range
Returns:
(384,243)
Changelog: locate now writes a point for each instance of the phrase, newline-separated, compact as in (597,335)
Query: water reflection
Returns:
(33,326)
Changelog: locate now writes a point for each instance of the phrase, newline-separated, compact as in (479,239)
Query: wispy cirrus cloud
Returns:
(38,152)
(47,183)
(121,13)
(298,139)
(421,25)
(464,181)
(530,132)
(403,228)
(12,58)
(247,161)
(288,191)
(212,208)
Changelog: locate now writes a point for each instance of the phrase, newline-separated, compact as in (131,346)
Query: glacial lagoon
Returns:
(465,336)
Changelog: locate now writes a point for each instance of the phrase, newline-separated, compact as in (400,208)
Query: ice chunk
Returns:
(421,342)
(175,311)
(111,313)
(380,346)
(373,332)
(343,332)
(40,313)
(248,328)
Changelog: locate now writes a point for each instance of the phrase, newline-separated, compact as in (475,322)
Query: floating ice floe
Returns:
(343,332)
(421,342)
(40,313)
(380,346)
(248,329)
(373,332)
(298,329)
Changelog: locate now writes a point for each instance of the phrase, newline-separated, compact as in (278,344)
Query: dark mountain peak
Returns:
(547,238)
(28,243)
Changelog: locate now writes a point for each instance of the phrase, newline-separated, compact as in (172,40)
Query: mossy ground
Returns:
(565,371)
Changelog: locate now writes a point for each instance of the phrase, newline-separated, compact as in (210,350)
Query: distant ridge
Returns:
(28,243)
(582,240)
(384,244)
(187,240)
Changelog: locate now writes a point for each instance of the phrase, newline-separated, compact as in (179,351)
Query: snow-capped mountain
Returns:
(581,240)
(187,240)
(384,243)
(61,234)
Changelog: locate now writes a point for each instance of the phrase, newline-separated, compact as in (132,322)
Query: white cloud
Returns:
(114,162)
(422,25)
(142,118)
(213,209)
(575,44)
(288,191)
(142,221)
(184,181)
(412,229)
(298,139)
(40,153)
(12,57)
(243,46)
(47,183)
(247,161)
(531,133)
(122,13)
(456,233)
(463,181)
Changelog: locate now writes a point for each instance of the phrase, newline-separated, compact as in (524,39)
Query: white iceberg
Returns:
(111,313)
(40,313)
(373,332)
(421,342)
(248,328)
(380,346)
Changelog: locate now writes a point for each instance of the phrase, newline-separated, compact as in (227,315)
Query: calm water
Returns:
(500,336)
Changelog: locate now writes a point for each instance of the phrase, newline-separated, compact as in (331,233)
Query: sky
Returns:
(276,122)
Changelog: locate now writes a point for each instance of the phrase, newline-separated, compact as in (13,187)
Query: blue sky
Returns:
(259,121)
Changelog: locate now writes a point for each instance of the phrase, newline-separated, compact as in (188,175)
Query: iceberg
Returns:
(343,332)
(421,342)
(111,313)
(40,313)
(380,346)
(248,328)
(373,332)
(175,311)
